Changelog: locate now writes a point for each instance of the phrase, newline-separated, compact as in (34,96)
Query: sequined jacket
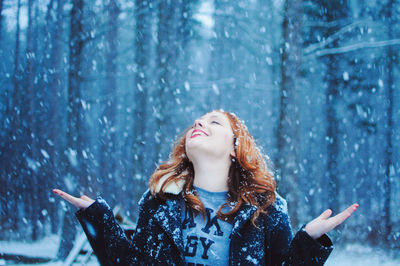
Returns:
(158,236)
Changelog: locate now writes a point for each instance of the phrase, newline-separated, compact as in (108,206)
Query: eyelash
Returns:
(211,123)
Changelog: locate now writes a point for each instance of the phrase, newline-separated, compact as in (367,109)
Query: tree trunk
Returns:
(166,53)
(143,33)
(29,112)
(389,130)
(108,154)
(335,11)
(332,95)
(289,126)
(51,118)
(221,60)
(13,150)
(75,113)
(1,19)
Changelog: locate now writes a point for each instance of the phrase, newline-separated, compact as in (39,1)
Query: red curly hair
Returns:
(250,180)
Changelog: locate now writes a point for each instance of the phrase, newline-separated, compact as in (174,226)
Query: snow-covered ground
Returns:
(45,248)
(351,255)
(53,263)
(359,255)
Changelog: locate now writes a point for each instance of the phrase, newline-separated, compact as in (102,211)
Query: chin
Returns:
(196,149)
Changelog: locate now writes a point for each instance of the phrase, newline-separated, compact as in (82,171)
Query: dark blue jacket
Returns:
(158,237)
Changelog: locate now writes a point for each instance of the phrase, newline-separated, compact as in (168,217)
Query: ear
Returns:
(233,153)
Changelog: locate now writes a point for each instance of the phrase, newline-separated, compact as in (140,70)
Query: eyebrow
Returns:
(215,116)
(211,116)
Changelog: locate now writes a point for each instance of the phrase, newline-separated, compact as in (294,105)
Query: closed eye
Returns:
(215,122)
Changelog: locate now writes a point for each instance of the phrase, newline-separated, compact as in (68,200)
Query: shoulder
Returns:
(148,200)
(146,197)
(280,204)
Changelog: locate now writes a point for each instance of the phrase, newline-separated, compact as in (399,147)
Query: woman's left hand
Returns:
(323,224)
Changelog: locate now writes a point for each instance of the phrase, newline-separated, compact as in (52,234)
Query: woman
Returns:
(213,202)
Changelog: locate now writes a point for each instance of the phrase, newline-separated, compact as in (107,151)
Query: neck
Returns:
(211,174)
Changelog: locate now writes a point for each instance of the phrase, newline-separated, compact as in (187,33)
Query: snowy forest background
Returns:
(93,94)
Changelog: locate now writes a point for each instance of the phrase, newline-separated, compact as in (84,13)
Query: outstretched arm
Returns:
(105,235)
(310,245)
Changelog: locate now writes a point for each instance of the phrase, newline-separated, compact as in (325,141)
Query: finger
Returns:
(84,197)
(341,217)
(326,214)
(57,191)
(66,196)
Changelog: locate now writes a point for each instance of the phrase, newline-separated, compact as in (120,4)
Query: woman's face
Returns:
(210,135)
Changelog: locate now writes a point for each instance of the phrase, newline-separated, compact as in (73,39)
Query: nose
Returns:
(198,123)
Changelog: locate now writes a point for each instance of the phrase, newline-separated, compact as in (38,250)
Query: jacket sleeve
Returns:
(300,250)
(105,235)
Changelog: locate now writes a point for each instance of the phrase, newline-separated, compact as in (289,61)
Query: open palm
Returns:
(82,203)
(324,223)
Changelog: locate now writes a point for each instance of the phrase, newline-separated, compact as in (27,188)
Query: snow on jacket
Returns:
(158,236)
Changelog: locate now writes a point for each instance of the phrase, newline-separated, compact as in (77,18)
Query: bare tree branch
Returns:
(354,47)
(312,48)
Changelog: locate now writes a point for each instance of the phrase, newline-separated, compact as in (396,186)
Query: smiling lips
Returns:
(197,132)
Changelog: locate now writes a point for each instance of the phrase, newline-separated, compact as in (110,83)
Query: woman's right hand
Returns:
(82,203)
